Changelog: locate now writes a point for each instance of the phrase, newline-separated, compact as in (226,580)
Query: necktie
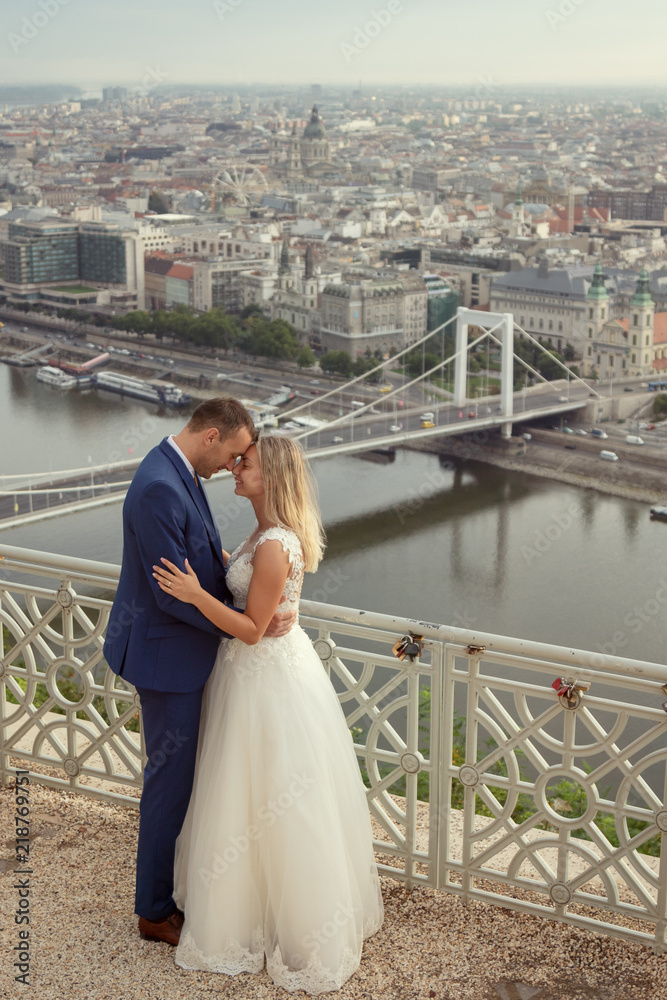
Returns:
(204,498)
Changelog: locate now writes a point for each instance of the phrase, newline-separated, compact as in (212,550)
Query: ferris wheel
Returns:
(239,181)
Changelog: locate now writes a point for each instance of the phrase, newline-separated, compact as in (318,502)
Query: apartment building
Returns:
(374,314)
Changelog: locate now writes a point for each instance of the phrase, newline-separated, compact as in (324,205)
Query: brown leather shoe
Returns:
(168,930)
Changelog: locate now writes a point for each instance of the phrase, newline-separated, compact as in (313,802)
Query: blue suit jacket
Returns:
(153,640)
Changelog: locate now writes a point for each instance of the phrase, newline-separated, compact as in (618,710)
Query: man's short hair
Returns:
(224,413)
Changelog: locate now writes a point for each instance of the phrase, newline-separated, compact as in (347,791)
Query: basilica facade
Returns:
(305,155)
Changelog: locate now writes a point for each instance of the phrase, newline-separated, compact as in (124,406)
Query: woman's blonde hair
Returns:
(290,494)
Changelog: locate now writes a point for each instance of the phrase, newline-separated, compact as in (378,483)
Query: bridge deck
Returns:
(21,503)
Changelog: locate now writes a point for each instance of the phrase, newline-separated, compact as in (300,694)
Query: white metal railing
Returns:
(483,781)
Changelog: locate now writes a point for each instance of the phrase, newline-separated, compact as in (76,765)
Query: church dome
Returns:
(642,296)
(598,288)
(315,129)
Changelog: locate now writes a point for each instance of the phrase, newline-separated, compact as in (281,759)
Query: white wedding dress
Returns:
(275,859)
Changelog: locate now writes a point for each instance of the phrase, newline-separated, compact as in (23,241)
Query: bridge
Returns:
(395,417)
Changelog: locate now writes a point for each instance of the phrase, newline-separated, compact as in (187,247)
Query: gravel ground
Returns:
(85,942)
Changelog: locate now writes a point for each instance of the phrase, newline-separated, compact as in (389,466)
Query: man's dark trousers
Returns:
(171,726)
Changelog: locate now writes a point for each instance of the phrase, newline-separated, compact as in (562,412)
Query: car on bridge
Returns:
(427,423)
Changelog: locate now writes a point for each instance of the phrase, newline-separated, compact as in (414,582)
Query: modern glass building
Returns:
(102,256)
(41,251)
(442,301)
(50,252)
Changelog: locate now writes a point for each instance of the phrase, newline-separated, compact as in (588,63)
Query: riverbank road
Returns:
(639,473)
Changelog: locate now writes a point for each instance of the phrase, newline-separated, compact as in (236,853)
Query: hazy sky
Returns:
(479,44)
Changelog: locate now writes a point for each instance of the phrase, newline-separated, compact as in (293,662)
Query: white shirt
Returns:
(188,463)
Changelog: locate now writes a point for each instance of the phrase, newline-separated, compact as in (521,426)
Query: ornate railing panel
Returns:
(571,790)
(483,780)
(391,707)
(61,708)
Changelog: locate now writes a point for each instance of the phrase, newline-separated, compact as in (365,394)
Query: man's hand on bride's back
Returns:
(281,623)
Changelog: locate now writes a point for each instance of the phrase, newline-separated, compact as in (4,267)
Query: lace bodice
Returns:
(240,567)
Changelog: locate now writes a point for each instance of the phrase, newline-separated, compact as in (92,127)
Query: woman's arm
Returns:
(225,557)
(271,566)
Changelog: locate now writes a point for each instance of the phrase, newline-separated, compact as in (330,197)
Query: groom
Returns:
(167,648)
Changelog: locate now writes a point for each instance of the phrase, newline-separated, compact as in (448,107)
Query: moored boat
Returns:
(56,377)
(163,393)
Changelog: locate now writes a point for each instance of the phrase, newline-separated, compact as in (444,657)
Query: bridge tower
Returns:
(502,325)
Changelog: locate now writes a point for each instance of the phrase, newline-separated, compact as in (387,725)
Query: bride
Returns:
(275,859)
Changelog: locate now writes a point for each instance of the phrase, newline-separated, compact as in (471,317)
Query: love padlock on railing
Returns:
(408,645)
(570,691)
(664,691)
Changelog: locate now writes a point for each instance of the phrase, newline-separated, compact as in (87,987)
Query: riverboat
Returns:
(56,378)
(163,393)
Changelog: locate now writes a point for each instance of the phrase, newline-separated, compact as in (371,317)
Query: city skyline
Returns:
(481,45)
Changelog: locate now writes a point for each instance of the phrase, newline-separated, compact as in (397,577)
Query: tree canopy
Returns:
(254,334)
